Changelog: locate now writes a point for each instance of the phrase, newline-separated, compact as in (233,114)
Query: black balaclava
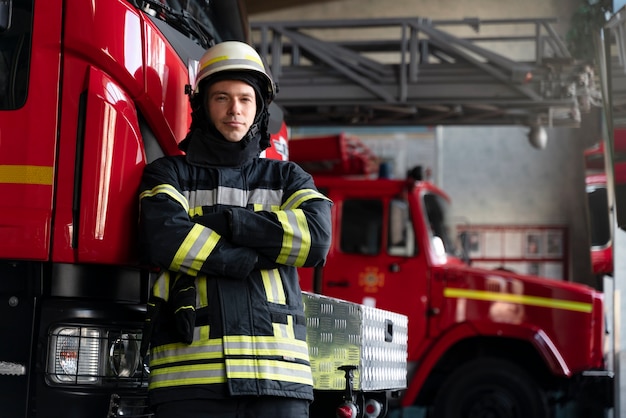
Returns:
(206,146)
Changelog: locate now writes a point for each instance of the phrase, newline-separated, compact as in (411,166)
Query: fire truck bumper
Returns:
(595,388)
(128,407)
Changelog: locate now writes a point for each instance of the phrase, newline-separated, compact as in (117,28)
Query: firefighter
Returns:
(227,230)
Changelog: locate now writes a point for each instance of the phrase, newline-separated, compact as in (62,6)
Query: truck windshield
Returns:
(15,52)
(437,219)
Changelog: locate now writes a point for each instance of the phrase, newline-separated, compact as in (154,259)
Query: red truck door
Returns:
(374,259)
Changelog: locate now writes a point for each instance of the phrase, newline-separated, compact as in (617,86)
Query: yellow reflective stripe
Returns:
(296,199)
(26,174)
(184,308)
(213,61)
(285,330)
(269,369)
(161,287)
(195,249)
(285,251)
(257,207)
(296,237)
(168,190)
(238,345)
(567,305)
(196,374)
(305,234)
(273,285)
(202,331)
(180,352)
(197,211)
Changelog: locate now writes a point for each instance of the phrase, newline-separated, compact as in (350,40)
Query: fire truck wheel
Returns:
(492,388)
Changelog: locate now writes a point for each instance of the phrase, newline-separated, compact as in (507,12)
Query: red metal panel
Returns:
(279,148)
(102,67)
(28,139)
(335,154)
(112,166)
(164,104)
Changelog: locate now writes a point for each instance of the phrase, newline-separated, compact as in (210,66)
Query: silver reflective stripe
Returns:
(194,250)
(265,346)
(214,65)
(179,352)
(161,287)
(267,199)
(274,290)
(296,238)
(231,196)
(269,369)
(237,197)
(285,330)
(199,198)
(187,375)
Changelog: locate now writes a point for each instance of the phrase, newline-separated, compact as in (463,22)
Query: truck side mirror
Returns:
(465,247)
(6,12)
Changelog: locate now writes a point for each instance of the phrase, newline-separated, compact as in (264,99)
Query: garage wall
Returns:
(492,173)
(495,177)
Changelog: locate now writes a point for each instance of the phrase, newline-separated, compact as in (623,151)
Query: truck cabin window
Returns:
(401,239)
(16,21)
(361,226)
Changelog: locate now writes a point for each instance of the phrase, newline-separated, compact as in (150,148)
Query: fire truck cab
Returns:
(480,341)
(90,92)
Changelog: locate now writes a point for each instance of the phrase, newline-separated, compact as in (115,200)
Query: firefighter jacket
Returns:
(228,241)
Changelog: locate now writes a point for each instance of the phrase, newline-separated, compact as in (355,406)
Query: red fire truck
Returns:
(481,342)
(90,91)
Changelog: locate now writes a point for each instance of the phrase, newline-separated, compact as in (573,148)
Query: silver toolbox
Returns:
(341,333)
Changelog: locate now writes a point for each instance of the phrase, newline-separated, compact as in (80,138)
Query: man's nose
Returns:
(235,107)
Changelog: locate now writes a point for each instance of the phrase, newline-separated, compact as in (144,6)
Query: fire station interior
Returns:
(510,157)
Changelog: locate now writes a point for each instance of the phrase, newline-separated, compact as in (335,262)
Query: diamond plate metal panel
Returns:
(341,333)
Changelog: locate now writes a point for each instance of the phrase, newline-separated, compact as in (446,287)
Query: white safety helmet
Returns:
(233,56)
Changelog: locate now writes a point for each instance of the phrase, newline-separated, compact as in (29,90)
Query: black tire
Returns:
(490,388)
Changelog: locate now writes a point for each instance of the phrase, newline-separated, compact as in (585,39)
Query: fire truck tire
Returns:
(492,388)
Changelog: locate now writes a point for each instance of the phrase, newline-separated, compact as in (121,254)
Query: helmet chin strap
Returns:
(252,133)
(260,126)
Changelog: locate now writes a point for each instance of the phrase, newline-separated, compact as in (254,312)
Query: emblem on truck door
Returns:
(371,279)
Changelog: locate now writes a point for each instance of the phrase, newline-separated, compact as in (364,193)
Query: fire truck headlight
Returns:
(91,355)
(123,353)
(74,355)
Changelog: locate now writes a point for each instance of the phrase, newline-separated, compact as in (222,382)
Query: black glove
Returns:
(153,310)
(219,222)
(183,302)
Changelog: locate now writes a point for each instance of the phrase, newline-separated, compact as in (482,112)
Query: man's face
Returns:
(232,107)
